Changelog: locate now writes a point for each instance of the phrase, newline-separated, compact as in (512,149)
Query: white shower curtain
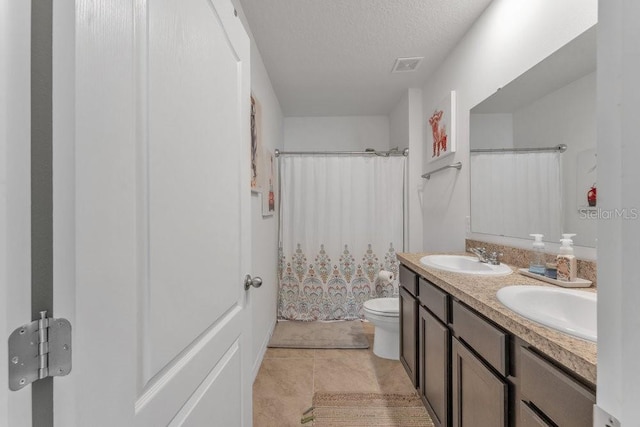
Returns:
(516,194)
(341,222)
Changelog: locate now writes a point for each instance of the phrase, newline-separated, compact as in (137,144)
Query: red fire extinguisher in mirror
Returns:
(592,196)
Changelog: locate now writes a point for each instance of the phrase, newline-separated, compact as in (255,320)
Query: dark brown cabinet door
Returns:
(479,397)
(408,336)
(528,417)
(433,369)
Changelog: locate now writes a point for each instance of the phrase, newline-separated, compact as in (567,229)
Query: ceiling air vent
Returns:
(404,65)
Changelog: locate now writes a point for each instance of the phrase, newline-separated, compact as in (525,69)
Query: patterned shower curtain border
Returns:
(327,290)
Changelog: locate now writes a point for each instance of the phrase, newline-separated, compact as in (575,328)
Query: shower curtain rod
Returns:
(560,148)
(404,152)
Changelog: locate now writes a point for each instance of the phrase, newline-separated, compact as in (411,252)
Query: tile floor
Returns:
(287,379)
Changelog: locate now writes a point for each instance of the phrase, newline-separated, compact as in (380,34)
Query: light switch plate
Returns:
(602,418)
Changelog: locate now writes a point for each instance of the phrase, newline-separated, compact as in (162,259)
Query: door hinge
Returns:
(38,350)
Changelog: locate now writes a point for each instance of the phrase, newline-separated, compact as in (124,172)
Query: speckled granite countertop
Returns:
(479,292)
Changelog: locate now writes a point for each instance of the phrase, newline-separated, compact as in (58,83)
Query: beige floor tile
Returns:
(345,374)
(289,353)
(279,411)
(282,391)
(284,377)
(343,353)
(391,376)
(288,378)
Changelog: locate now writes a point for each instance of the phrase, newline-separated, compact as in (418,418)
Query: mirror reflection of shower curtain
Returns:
(516,194)
(341,222)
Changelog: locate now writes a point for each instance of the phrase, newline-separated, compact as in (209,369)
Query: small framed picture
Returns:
(256,144)
(263,163)
(270,184)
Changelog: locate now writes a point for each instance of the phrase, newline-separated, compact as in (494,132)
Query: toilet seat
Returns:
(387,307)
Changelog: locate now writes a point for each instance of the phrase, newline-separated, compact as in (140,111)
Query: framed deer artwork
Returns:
(440,132)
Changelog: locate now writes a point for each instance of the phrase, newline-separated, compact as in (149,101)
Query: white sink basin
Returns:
(569,311)
(464,264)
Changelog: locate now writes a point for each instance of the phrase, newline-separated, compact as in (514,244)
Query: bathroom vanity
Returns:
(476,363)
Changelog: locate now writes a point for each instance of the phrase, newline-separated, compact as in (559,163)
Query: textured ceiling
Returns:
(334,57)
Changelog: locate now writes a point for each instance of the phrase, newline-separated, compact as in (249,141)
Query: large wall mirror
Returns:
(521,181)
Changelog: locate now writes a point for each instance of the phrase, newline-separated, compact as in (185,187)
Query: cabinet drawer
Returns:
(434,299)
(561,398)
(409,280)
(487,340)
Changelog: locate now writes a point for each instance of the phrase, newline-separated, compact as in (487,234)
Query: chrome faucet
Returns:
(481,253)
(492,258)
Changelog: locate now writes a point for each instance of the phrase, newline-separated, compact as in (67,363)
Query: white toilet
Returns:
(384,314)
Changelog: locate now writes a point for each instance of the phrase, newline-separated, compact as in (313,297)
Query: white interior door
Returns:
(161,227)
(15,237)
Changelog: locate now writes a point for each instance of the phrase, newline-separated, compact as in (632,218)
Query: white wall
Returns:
(565,116)
(399,123)
(509,38)
(415,181)
(618,239)
(405,129)
(491,130)
(399,137)
(347,133)
(264,230)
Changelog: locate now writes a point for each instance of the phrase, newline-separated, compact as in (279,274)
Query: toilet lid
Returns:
(387,306)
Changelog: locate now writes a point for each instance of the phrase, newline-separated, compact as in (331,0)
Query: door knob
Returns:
(256,282)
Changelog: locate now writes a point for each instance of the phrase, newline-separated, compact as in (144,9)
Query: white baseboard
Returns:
(263,350)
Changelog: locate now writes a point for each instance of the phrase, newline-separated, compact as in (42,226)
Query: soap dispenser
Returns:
(538,259)
(567,268)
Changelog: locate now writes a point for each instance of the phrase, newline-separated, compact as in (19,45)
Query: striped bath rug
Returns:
(366,410)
